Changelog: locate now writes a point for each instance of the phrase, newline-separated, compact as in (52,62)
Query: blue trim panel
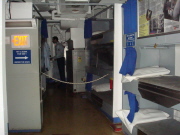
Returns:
(114,120)
(89,77)
(117,120)
(21,131)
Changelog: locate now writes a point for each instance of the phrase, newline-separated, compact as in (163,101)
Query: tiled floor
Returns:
(71,115)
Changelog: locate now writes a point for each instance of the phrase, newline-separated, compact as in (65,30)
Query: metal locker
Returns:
(76,69)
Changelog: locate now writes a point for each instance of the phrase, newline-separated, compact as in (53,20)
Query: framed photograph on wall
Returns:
(157,17)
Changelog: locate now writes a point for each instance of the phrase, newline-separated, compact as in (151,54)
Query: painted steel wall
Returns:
(3,94)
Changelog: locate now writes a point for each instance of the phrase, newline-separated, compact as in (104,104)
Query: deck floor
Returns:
(70,114)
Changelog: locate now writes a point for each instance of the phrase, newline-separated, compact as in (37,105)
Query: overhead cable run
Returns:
(38,12)
(100,12)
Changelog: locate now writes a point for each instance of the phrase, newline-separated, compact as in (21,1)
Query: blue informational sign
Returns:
(21,56)
(130,39)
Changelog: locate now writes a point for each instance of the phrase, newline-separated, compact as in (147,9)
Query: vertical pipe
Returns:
(108,14)
(52,45)
(3,92)
(117,85)
(50,72)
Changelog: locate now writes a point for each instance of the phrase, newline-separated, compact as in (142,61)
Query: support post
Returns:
(118,40)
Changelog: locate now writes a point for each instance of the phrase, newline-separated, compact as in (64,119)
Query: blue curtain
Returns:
(88,28)
(129,63)
(133,104)
(44,31)
(130,16)
(89,77)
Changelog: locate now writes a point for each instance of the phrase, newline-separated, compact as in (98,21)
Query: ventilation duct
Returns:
(73,9)
(23,24)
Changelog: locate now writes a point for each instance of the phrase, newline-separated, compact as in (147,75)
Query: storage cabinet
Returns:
(75,69)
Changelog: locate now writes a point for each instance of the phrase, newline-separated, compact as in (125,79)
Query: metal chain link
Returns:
(74,83)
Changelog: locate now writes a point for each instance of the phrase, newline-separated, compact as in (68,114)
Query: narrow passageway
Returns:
(67,114)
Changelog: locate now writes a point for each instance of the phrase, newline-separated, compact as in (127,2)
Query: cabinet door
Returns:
(78,59)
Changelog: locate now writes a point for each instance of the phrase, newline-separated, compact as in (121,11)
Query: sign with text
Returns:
(130,39)
(20,41)
(21,56)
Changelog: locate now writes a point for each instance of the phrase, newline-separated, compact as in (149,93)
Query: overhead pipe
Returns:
(94,1)
(53,21)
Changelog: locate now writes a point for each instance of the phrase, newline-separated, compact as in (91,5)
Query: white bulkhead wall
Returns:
(3,92)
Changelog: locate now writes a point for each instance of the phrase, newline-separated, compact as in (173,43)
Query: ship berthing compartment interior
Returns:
(152,93)
(157,94)
(100,63)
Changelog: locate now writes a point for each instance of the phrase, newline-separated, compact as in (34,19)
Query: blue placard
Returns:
(130,39)
(21,56)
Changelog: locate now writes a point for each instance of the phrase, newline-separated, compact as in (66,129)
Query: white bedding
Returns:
(142,116)
(101,87)
(146,72)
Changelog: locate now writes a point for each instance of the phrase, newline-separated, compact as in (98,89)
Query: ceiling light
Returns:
(75,11)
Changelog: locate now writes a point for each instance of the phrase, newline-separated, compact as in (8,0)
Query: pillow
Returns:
(101,87)
(146,72)
(142,116)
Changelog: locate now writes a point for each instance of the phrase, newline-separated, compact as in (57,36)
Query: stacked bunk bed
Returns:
(102,97)
(157,91)
(102,93)
(100,63)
